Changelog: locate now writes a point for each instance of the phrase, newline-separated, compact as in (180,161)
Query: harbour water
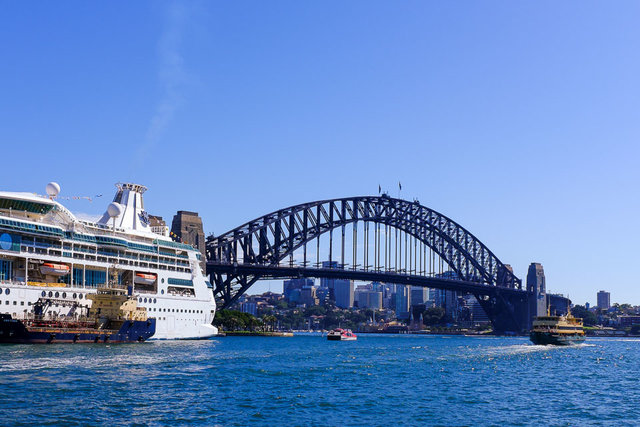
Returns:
(307,380)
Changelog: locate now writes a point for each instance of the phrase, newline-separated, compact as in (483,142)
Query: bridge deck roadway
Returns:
(285,272)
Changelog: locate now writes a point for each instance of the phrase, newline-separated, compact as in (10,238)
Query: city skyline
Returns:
(503,117)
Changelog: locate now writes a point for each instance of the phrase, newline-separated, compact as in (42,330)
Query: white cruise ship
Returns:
(46,252)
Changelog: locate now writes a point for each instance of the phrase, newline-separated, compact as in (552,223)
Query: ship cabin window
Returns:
(7,291)
(6,269)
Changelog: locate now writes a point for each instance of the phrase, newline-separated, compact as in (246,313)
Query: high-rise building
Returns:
(419,295)
(370,299)
(343,291)
(604,300)
(403,301)
(292,289)
(451,305)
(308,296)
(188,227)
(329,283)
(537,285)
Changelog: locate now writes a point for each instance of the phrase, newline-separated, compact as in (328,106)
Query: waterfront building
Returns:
(604,300)
(627,321)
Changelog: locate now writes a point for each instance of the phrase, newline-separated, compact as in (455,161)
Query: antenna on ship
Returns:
(53,189)
(114,210)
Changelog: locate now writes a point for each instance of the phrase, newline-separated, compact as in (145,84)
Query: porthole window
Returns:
(64,295)
(0,290)
(145,300)
(7,291)
(139,299)
(154,300)
(162,280)
(162,291)
(79,296)
(57,294)
(50,294)
(44,294)
(75,296)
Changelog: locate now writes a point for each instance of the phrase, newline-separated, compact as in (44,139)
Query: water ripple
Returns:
(305,380)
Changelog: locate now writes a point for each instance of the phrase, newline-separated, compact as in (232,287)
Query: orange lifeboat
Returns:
(145,278)
(54,269)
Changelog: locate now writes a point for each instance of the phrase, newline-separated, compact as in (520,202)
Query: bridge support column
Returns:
(507,312)
(536,286)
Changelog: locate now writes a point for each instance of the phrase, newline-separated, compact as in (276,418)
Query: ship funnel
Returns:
(127,209)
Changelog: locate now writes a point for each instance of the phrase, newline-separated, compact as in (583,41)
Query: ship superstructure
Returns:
(45,251)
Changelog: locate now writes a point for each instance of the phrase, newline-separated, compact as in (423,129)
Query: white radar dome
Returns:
(114,209)
(53,189)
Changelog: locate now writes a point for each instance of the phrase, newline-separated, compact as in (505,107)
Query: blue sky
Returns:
(519,120)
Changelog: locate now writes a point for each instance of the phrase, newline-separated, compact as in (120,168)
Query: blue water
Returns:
(307,380)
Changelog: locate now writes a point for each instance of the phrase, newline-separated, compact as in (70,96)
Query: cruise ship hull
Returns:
(545,338)
(46,252)
(14,331)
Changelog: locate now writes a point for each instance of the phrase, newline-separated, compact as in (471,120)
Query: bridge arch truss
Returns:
(271,241)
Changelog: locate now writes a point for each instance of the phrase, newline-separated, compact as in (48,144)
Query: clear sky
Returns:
(519,120)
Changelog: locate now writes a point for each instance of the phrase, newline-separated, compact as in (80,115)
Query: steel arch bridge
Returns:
(403,242)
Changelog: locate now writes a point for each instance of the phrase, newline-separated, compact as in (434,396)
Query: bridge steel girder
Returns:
(278,234)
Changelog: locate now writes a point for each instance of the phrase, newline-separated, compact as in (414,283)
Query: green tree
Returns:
(316,310)
(588,317)
(433,315)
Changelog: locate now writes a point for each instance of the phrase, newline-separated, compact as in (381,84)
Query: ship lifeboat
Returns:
(145,278)
(54,269)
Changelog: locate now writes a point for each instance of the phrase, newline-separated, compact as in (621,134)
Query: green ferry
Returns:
(557,330)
